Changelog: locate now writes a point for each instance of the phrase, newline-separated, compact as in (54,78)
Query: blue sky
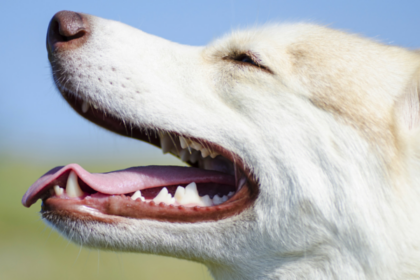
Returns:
(36,123)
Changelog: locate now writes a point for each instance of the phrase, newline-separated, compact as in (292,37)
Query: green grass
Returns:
(31,250)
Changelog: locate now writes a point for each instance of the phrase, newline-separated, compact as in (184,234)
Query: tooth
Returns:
(194,156)
(242,182)
(191,189)
(204,152)
(184,155)
(175,151)
(94,106)
(183,142)
(206,200)
(58,190)
(213,154)
(230,194)
(195,145)
(188,196)
(224,198)
(165,143)
(136,195)
(163,196)
(72,188)
(179,194)
(85,106)
(217,200)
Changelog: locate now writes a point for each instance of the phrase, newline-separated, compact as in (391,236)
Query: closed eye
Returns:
(247,59)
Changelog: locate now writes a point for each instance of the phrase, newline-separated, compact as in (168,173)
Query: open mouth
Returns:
(216,186)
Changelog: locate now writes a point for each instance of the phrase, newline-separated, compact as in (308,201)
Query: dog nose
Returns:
(67,30)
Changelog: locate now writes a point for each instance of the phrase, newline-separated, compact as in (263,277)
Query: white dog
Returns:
(304,139)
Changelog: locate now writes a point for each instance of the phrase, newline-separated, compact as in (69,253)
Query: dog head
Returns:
(306,135)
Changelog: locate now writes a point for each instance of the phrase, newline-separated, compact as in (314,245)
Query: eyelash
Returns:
(246,59)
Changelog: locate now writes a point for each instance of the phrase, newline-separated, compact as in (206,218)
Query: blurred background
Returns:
(38,130)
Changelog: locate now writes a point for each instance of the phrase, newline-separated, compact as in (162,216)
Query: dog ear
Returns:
(408,105)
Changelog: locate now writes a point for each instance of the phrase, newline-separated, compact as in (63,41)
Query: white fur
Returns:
(338,199)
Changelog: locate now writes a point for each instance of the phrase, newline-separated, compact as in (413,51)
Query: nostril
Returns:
(75,36)
(54,32)
(66,30)
(62,36)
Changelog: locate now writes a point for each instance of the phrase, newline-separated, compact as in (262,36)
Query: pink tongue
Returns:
(127,180)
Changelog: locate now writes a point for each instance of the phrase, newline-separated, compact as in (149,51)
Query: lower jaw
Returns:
(107,208)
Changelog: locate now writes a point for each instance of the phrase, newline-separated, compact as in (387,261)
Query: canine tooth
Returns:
(224,198)
(85,106)
(165,143)
(217,200)
(206,200)
(205,152)
(72,188)
(183,142)
(184,155)
(195,145)
(163,196)
(58,190)
(230,194)
(96,107)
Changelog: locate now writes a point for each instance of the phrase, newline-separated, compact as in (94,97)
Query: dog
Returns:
(302,142)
